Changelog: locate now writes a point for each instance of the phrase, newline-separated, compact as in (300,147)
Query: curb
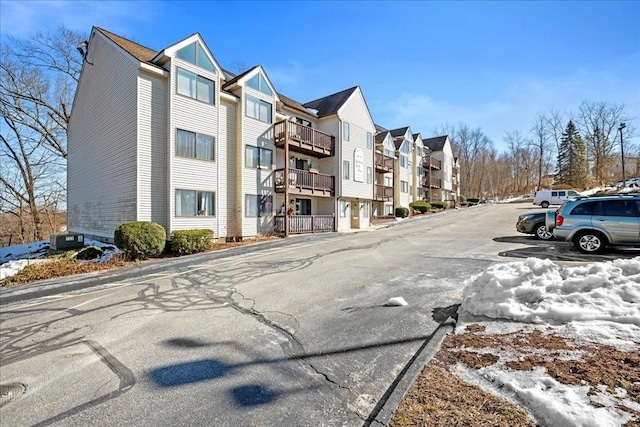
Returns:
(383,412)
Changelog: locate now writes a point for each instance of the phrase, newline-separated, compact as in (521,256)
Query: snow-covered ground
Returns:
(596,303)
(15,258)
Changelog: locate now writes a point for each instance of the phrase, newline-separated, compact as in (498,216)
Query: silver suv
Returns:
(592,223)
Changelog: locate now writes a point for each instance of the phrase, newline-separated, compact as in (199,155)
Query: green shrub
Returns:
(462,199)
(439,205)
(402,212)
(140,239)
(185,242)
(420,205)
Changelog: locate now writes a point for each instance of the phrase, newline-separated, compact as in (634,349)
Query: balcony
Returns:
(382,193)
(303,139)
(431,182)
(454,171)
(305,182)
(429,162)
(383,163)
(454,188)
(303,224)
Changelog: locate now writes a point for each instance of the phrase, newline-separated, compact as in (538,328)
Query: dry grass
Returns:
(439,398)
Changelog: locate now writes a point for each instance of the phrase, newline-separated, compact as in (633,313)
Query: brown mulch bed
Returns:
(440,398)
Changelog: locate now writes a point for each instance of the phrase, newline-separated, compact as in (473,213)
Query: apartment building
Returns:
(441,170)
(170,136)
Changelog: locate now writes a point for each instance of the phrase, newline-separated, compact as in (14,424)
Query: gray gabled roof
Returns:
(380,129)
(295,105)
(141,53)
(399,132)
(330,104)
(435,143)
(239,76)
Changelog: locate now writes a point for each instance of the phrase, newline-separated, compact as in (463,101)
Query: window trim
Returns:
(195,149)
(198,77)
(197,198)
(259,150)
(261,211)
(346,170)
(346,131)
(259,104)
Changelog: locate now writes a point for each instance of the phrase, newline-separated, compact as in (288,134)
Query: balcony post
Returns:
(286,179)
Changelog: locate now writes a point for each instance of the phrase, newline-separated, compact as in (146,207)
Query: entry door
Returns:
(355,214)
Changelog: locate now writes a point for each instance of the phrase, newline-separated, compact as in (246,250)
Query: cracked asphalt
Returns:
(286,333)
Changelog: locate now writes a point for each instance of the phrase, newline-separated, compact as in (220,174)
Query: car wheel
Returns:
(544,204)
(542,233)
(590,242)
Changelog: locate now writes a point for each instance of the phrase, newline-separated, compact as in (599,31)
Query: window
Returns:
(257,205)
(388,181)
(258,109)
(620,208)
(259,83)
(343,208)
(195,86)
(195,203)
(369,175)
(365,210)
(194,145)
(303,206)
(388,209)
(256,157)
(589,208)
(303,122)
(195,54)
(345,169)
(404,161)
(369,140)
(404,186)
(345,131)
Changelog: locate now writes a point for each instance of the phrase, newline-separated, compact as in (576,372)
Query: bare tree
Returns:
(38,78)
(542,143)
(598,123)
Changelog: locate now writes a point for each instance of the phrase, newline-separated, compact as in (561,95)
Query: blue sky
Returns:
(493,65)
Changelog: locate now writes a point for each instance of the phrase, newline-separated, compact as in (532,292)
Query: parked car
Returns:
(534,223)
(544,198)
(592,223)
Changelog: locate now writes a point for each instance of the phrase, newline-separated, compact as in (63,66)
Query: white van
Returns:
(544,198)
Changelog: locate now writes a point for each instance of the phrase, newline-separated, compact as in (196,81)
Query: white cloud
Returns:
(23,18)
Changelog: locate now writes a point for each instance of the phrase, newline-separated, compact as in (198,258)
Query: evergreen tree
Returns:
(572,158)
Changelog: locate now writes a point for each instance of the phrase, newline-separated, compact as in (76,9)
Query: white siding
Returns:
(228,166)
(152,151)
(257,181)
(186,173)
(355,112)
(102,139)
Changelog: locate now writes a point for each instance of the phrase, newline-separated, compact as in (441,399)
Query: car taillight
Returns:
(559,220)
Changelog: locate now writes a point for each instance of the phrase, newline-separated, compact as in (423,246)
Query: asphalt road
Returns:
(290,333)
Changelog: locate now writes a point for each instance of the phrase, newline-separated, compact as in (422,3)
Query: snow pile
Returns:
(539,291)
(596,303)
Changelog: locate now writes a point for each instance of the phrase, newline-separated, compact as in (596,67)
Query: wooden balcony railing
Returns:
(301,224)
(431,182)
(305,182)
(454,171)
(454,188)
(303,139)
(383,163)
(429,162)
(382,193)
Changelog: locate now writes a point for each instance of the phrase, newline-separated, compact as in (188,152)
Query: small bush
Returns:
(186,242)
(462,199)
(420,205)
(439,205)
(402,212)
(140,239)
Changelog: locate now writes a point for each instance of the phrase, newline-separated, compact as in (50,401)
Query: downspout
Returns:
(340,174)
